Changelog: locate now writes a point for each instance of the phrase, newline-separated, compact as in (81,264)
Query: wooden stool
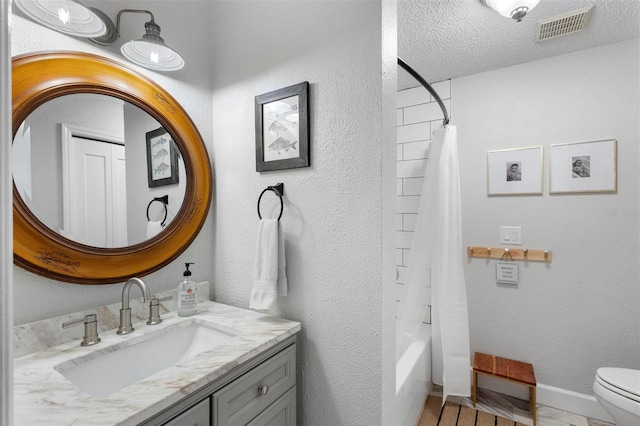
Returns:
(507,369)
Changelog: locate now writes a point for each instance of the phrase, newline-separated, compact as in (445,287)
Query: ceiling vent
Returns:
(564,24)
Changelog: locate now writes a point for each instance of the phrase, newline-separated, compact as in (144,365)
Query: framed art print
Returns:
(515,171)
(282,128)
(583,167)
(162,159)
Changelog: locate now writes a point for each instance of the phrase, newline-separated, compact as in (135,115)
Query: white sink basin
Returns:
(113,368)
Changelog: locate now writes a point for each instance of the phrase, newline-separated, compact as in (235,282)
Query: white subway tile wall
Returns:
(418,114)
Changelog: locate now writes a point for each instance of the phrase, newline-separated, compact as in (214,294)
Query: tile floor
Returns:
(518,410)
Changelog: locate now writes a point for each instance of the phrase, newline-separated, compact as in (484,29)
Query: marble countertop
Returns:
(42,396)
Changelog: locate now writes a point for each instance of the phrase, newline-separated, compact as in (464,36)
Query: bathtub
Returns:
(413,376)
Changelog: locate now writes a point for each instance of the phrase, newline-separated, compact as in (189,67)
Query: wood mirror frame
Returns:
(38,78)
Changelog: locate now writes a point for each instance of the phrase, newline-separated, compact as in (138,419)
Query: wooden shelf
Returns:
(509,253)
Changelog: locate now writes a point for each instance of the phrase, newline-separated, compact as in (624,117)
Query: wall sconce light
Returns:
(72,18)
(65,16)
(516,9)
(150,51)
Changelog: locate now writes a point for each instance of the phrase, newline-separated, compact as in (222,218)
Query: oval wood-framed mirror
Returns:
(38,78)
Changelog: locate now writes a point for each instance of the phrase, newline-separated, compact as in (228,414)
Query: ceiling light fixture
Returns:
(72,18)
(516,9)
(65,16)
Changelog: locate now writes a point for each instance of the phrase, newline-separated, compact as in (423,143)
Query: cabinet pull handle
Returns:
(263,389)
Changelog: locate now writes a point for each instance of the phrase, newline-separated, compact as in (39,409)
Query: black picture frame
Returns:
(282,128)
(162,159)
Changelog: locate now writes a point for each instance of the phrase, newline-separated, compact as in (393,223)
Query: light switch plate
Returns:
(511,235)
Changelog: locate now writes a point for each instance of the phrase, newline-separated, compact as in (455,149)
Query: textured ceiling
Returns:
(444,39)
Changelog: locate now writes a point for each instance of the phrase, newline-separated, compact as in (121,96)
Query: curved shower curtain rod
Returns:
(427,86)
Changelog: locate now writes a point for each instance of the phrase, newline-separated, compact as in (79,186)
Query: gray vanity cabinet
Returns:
(259,392)
(243,399)
(198,415)
(281,413)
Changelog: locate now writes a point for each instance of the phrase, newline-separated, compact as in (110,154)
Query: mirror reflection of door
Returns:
(94,188)
(39,171)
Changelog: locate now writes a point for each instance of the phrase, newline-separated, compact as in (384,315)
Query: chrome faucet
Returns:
(125,312)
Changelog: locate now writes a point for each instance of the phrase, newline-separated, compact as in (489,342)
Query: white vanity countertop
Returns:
(42,396)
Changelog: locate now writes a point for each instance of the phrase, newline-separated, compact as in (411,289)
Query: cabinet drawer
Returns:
(198,415)
(281,413)
(242,400)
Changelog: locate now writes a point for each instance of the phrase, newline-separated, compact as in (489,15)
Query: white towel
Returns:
(153,228)
(283,285)
(269,275)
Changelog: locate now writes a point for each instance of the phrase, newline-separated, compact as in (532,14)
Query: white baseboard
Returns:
(573,402)
(562,399)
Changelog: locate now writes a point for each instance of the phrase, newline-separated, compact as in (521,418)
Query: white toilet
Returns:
(618,392)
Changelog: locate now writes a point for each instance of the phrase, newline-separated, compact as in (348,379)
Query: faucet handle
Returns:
(154,309)
(90,329)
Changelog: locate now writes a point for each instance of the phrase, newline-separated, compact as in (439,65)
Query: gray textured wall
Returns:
(333,210)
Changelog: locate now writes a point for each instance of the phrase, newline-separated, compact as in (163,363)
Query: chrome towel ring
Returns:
(277,189)
(164,200)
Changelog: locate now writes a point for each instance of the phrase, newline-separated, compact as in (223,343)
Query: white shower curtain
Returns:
(436,261)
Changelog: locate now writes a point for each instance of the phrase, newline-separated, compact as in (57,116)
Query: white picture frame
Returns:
(583,167)
(516,171)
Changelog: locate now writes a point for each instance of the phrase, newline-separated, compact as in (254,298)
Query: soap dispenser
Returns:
(187,294)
